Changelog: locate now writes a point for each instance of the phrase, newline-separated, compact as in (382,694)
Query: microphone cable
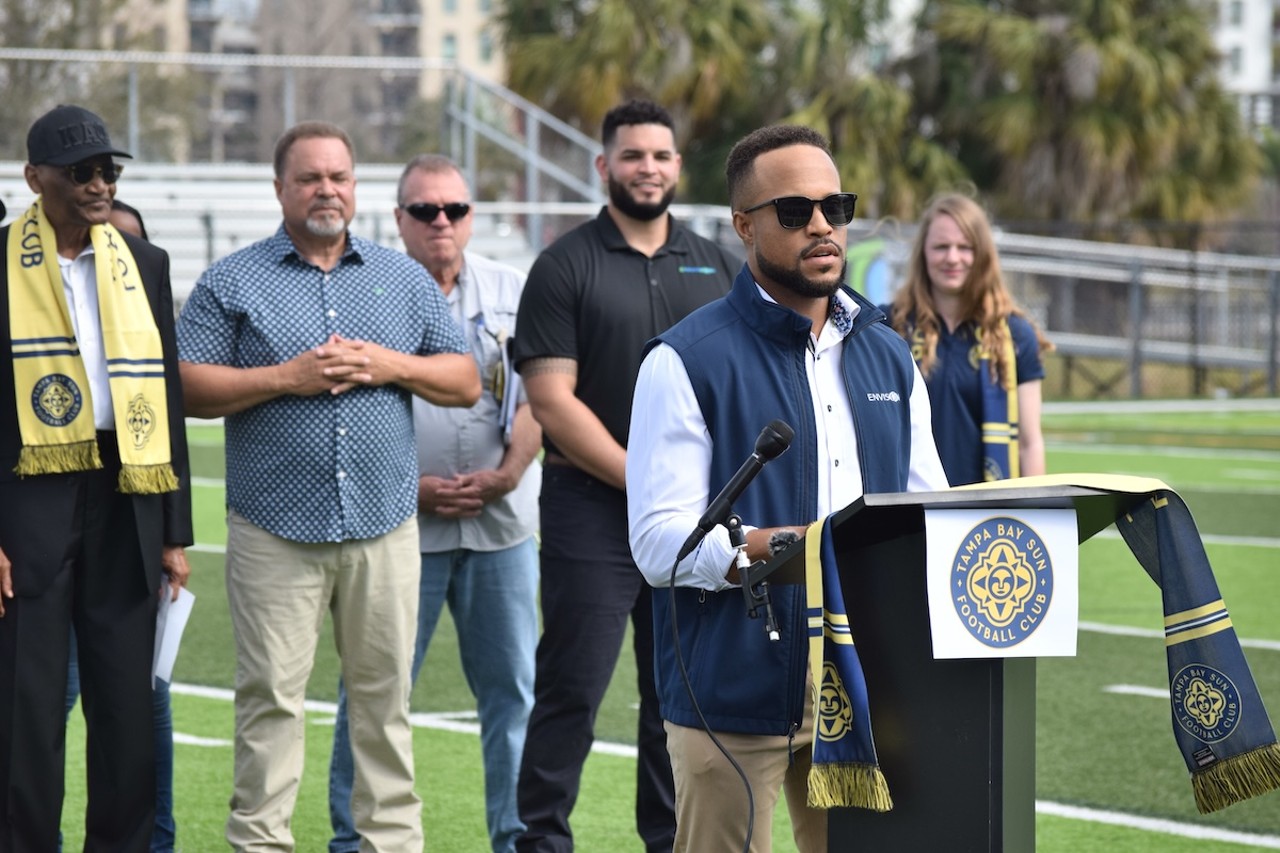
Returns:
(706,727)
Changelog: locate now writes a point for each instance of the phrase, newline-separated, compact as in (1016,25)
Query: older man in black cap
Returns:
(95,501)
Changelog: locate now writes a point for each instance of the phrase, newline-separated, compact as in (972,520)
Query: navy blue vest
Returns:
(745,357)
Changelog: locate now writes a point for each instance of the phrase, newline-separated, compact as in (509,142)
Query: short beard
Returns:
(325,226)
(640,211)
(793,280)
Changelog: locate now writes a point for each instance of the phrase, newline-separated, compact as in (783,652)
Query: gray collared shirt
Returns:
(456,441)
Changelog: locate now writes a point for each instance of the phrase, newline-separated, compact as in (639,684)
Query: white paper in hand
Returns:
(171,620)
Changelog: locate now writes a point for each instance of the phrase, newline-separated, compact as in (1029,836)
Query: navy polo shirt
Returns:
(955,394)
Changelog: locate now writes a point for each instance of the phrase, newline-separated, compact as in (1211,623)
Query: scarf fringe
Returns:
(147,479)
(841,784)
(58,458)
(1236,779)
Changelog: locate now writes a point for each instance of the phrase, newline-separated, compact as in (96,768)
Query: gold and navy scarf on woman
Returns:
(999,413)
(55,408)
(999,404)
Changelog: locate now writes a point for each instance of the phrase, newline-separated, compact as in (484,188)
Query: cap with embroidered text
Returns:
(66,135)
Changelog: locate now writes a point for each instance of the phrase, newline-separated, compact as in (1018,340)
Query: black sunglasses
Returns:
(83,173)
(426,212)
(795,211)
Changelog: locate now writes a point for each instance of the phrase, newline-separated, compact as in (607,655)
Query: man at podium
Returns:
(789,342)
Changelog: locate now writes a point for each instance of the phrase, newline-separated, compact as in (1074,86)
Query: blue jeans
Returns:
(165,831)
(492,596)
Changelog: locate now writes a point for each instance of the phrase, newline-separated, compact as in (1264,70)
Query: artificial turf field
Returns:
(1109,777)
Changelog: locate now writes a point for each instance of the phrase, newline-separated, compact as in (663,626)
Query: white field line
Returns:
(192,740)
(1128,631)
(1138,690)
(1207,538)
(1161,450)
(462,722)
(1108,533)
(1165,827)
(1148,407)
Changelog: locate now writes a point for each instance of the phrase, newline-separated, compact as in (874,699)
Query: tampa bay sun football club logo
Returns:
(56,399)
(835,711)
(140,420)
(1205,702)
(1002,582)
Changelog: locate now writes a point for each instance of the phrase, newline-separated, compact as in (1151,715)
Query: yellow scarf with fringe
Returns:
(55,408)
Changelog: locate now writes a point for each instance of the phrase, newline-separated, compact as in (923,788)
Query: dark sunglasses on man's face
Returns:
(83,173)
(795,211)
(426,212)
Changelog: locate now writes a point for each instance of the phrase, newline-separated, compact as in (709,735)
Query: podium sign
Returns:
(1002,584)
(955,737)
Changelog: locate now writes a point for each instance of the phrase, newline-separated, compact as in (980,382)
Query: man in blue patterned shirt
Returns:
(311,344)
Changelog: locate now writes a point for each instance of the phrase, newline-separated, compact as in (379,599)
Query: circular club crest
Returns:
(835,711)
(56,399)
(1205,702)
(140,420)
(1002,582)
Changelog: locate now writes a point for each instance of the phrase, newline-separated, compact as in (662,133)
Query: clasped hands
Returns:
(463,495)
(338,365)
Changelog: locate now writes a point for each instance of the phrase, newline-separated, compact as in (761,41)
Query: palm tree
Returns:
(838,86)
(1083,110)
(579,58)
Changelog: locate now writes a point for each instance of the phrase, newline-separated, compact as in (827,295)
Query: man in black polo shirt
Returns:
(592,300)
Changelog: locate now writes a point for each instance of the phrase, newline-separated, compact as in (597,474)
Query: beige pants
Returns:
(711,801)
(278,592)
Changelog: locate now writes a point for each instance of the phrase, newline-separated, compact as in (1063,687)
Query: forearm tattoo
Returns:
(538,366)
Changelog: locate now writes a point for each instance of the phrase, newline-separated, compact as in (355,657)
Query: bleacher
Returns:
(1110,308)
(199,213)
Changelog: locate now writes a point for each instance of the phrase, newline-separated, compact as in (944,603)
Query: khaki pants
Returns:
(278,592)
(711,802)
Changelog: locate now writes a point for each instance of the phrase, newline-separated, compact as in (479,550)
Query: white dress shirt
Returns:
(669,458)
(80,284)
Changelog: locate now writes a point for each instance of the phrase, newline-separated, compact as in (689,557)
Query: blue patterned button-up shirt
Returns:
(326,468)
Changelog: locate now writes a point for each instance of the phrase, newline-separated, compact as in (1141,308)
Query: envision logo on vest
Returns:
(884,397)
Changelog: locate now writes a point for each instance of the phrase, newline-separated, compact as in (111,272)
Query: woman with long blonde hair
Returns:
(978,351)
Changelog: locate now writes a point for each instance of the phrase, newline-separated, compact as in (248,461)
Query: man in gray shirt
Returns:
(477,502)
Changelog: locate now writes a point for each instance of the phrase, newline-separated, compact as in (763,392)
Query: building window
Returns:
(1237,13)
(1236,60)
(450,6)
(450,46)
(486,47)
(486,6)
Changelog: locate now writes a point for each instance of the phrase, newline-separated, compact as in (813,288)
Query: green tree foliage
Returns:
(828,72)
(1084,110)
(1090,111)
(578,58)
(724,68)
(32,87)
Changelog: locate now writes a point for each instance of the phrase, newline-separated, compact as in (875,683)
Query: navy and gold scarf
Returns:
(1220,724)
(999,403)
(1219,721)
(844,770)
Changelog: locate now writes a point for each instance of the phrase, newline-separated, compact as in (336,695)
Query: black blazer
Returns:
(36,512)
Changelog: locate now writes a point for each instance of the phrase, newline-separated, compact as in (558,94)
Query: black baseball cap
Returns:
(66,135)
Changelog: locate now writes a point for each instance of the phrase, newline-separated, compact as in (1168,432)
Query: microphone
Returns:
(772,441)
